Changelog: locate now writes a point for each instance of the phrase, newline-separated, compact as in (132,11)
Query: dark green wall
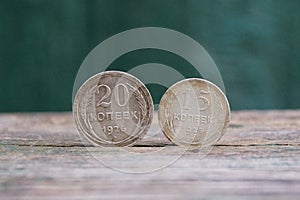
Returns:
(255,44)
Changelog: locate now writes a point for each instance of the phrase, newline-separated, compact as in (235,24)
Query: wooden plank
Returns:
(72,172)
(42,156)
(58,129)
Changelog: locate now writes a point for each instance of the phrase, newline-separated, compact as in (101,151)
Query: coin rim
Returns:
(134,138)
(164,99)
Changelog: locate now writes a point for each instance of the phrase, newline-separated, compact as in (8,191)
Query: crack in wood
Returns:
(145,145)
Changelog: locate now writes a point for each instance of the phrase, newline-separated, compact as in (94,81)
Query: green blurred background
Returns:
(255,44)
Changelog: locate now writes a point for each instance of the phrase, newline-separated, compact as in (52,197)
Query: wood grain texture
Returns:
(42,157)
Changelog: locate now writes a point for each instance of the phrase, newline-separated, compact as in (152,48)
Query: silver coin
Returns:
(113,109)
(193,113)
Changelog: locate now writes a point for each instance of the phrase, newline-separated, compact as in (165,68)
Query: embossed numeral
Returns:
(106,95)
(186,100)
(125,94)
(203,101)
(116,91)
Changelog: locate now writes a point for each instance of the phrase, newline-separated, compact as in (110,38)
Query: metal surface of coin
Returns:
(113,109)
(193,112)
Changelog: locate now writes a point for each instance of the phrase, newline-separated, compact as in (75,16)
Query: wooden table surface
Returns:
(42,157)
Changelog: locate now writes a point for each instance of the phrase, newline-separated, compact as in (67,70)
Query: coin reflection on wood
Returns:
(194,113)
(113,109)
